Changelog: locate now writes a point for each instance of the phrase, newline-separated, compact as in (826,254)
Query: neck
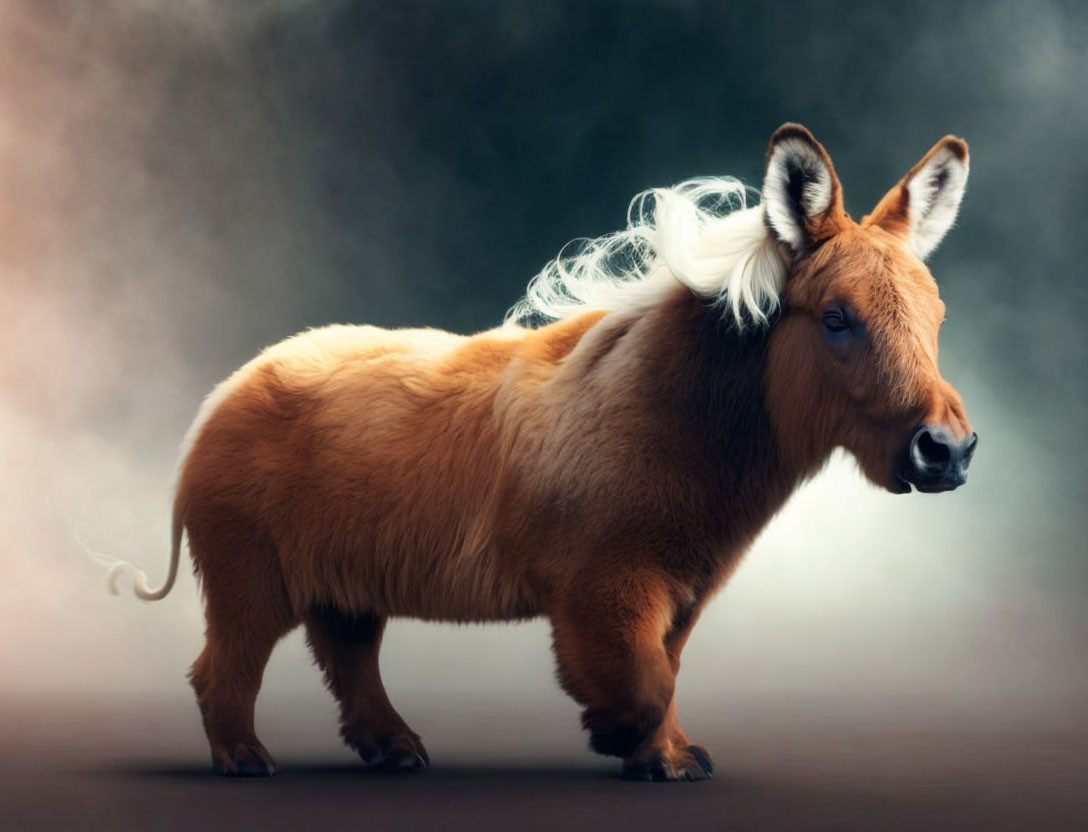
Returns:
(718,381)
(677,392)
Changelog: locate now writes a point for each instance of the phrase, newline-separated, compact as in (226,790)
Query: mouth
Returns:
(937,488)
(905,486)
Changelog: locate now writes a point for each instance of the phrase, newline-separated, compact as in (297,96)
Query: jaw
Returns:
(884,474)
(880,450)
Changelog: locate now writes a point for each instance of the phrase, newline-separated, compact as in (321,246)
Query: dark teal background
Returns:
(414,163)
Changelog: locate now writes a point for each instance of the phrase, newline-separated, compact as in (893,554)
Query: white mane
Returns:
(701,233)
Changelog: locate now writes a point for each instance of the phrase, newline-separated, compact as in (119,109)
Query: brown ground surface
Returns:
(116,766)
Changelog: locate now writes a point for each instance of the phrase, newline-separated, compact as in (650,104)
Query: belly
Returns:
(433,584)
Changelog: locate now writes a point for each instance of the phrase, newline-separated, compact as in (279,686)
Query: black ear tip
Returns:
(956,146)
(792,130)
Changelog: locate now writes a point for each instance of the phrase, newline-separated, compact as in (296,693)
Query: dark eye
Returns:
(835,320)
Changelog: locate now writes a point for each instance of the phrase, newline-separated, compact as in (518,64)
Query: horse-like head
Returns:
(854,355)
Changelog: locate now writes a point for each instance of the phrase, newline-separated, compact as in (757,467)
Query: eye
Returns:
(836,320)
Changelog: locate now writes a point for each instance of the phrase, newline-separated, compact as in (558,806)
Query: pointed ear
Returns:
(802,196)
(923,206)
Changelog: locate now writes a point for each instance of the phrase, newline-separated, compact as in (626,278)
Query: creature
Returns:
(607,470)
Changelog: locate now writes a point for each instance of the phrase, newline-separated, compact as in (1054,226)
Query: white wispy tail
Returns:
(118,568)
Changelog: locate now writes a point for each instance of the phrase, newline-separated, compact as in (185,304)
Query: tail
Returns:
(118,567)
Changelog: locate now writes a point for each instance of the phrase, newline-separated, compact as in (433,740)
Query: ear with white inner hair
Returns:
(923,205)
(802,196)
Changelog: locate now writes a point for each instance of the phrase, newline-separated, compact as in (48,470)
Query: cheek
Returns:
(847,366)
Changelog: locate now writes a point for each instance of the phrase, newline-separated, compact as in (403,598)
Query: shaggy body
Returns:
(606,471)
(567,471)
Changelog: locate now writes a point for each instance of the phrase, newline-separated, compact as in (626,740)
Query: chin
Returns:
(898,486)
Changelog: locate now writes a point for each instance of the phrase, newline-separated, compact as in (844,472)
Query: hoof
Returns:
(246,761)
(690,764)
(399,752)
(620,733)
(702,757)
(404,752)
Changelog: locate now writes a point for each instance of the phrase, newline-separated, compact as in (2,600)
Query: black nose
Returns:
(936,461)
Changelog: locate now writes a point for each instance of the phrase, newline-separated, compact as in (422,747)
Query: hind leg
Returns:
(247,612)
(226,677)
(347,648)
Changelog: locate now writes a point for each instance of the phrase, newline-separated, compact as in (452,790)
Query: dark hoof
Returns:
(690,765)
(400,752)
(247,761)
(404,752)
(410,761)
(371,755)
(702,757)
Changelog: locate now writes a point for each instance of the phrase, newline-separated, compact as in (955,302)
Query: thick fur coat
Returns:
(607,470)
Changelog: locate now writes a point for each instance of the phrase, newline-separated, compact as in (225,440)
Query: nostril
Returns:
(937,460)
(969,451)
(932,451)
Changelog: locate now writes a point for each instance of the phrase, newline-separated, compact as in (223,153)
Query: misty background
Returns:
(183,183)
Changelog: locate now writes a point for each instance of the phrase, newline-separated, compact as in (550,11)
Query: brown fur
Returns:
(606,471)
